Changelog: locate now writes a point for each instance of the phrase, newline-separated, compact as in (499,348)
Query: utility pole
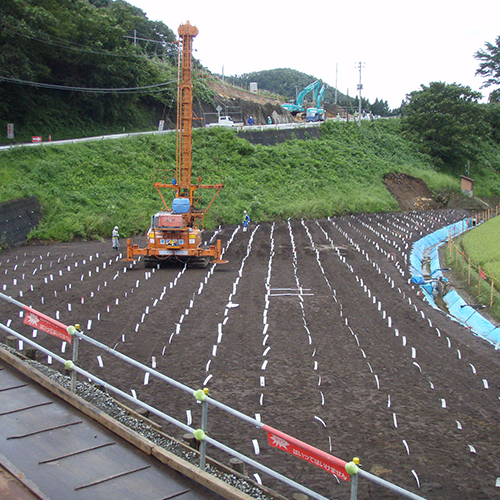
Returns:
(360,86)
(336,79)
(347,105)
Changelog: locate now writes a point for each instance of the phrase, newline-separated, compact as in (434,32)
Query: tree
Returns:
(448,120)
(380,108)
(489,66)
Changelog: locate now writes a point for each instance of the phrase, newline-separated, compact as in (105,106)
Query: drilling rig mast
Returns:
(175,233)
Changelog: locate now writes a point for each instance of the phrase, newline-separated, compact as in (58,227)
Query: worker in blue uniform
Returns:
(246,220)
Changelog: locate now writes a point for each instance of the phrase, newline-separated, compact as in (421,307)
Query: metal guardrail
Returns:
(277,126)
(347,471)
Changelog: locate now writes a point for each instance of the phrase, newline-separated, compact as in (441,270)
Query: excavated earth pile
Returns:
(312,327)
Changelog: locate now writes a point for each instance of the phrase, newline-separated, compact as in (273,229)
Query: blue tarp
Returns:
(457,307)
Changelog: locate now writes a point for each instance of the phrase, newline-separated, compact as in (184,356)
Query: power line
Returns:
(66,44)
(120,90)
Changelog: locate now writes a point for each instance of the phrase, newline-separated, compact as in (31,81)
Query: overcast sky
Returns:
(400,44)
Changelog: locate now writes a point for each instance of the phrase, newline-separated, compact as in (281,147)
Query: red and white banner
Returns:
(36,138)
(325,461)
(41,322)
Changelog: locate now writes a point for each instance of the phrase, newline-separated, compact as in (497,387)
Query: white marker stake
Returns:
(320,420)
(256,446)
(416,478)
(406,446)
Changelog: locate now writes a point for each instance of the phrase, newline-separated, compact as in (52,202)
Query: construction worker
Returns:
(246,220)
(115,235)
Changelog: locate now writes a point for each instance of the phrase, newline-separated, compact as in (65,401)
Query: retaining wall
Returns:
(17,219)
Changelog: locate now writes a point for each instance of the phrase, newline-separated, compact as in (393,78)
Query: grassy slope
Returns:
(481,245)
(85,189)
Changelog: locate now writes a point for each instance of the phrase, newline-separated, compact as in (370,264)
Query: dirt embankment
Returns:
(412,193)
(242,104)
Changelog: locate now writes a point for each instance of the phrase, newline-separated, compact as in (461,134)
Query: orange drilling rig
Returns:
(175,233)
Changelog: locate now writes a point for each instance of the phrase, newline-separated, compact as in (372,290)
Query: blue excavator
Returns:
(318,113)
(297,107)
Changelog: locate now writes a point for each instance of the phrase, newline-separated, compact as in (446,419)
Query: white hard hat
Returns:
(116,227)
(244,211)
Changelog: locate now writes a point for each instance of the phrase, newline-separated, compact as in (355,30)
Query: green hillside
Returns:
(87,188)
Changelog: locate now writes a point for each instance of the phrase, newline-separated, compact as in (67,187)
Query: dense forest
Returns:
(77,67)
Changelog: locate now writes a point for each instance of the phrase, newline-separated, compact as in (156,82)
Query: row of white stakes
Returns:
(67,287)
(334,297)
(187,309)
(413,351)
(266,334)
(220,332)
(358,343)
(229,305)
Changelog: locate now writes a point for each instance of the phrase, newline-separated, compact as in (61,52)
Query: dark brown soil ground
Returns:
(326,340)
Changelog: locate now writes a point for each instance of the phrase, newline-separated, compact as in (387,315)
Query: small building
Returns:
(467,185)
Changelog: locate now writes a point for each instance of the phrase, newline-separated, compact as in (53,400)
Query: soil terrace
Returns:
(313,327)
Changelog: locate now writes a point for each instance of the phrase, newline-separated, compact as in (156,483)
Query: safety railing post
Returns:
(69,365)
(352,469)
(201,395)
(74,358)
